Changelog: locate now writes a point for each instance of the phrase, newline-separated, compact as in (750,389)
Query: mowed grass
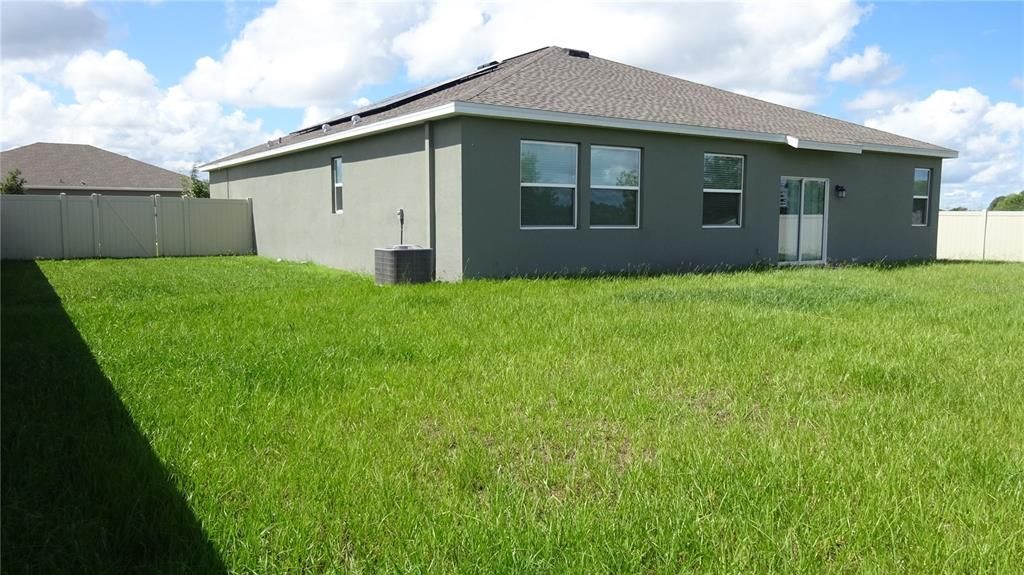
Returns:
(290,418)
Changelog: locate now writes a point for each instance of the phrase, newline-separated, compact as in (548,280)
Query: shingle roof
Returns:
(45,165)
(553,80)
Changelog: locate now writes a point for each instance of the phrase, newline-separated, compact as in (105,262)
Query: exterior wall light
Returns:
(840,191)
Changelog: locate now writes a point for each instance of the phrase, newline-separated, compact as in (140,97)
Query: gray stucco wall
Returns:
(472,171)
(872,223)
(447,144)
(292,196)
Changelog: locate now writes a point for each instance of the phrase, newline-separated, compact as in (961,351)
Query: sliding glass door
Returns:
(802,219)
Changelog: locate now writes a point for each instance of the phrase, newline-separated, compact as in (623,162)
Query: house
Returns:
(82,170)
(556,161)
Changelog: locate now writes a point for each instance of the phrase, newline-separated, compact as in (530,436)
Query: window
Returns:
(614,187)
(723,191)
(337,184)
(922,191)
(547,185)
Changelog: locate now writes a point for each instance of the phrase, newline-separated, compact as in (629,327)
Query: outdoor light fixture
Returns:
(840,191)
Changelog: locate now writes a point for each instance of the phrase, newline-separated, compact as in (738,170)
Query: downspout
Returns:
(428,152)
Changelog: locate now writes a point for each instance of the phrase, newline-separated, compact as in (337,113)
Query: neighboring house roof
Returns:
(80,166)
(569,86)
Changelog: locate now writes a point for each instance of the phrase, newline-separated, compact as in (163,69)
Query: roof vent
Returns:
(270,143)
(325,128)
(577,53)
(487,65)
(355,119)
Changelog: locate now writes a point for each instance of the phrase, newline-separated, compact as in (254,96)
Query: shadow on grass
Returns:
(82,491)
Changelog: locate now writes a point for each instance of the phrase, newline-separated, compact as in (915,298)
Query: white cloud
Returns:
(301,53)
(772,50)
(1017,82)
(92,75)
(989,137)
(119,106)
(313,115)
(875,100)
(873,65)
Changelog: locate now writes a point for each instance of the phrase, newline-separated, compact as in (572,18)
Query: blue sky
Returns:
(215,77)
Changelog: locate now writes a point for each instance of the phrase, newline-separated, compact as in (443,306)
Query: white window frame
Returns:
(336,187)
(927,200)
(743,183)
(639,176)
(575,187)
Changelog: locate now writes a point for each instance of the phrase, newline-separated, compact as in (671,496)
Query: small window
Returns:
(336,179)
(922,192)
(547,185)
(614,187)
(723,191)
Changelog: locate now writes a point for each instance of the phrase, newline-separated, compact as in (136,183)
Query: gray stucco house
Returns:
(556,161)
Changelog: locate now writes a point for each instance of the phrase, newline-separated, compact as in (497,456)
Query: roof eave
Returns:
(413,118)
(460,108)
(944,153)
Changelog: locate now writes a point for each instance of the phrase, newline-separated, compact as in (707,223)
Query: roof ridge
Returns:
(539,54)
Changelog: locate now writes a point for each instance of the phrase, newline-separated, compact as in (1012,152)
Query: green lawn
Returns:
(241,415)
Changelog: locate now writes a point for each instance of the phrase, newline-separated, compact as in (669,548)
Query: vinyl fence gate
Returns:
(67,227)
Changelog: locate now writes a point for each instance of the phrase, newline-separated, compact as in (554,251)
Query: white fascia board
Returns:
(911,151)
(529,114)
(438,112)
(799,144)
(545,116)
(532,115)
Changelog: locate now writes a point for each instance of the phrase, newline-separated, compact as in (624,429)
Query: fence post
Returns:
(63,226)
(97,234)
(252,227)
(984,233)
(186,216)
(156,224)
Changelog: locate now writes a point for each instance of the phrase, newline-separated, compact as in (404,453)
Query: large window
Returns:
(337,186)
(614,187)
(547,185)
(723,191)
(922,192)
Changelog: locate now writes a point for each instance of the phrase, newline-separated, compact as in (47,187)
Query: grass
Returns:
(240,415)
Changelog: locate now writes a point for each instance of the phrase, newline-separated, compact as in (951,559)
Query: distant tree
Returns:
(1009,203)
(13,183)
(528,167)
(627,178)
(194,187)
(958,209)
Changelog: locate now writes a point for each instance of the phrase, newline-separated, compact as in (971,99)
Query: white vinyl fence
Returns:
(65,227)
(997,236)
